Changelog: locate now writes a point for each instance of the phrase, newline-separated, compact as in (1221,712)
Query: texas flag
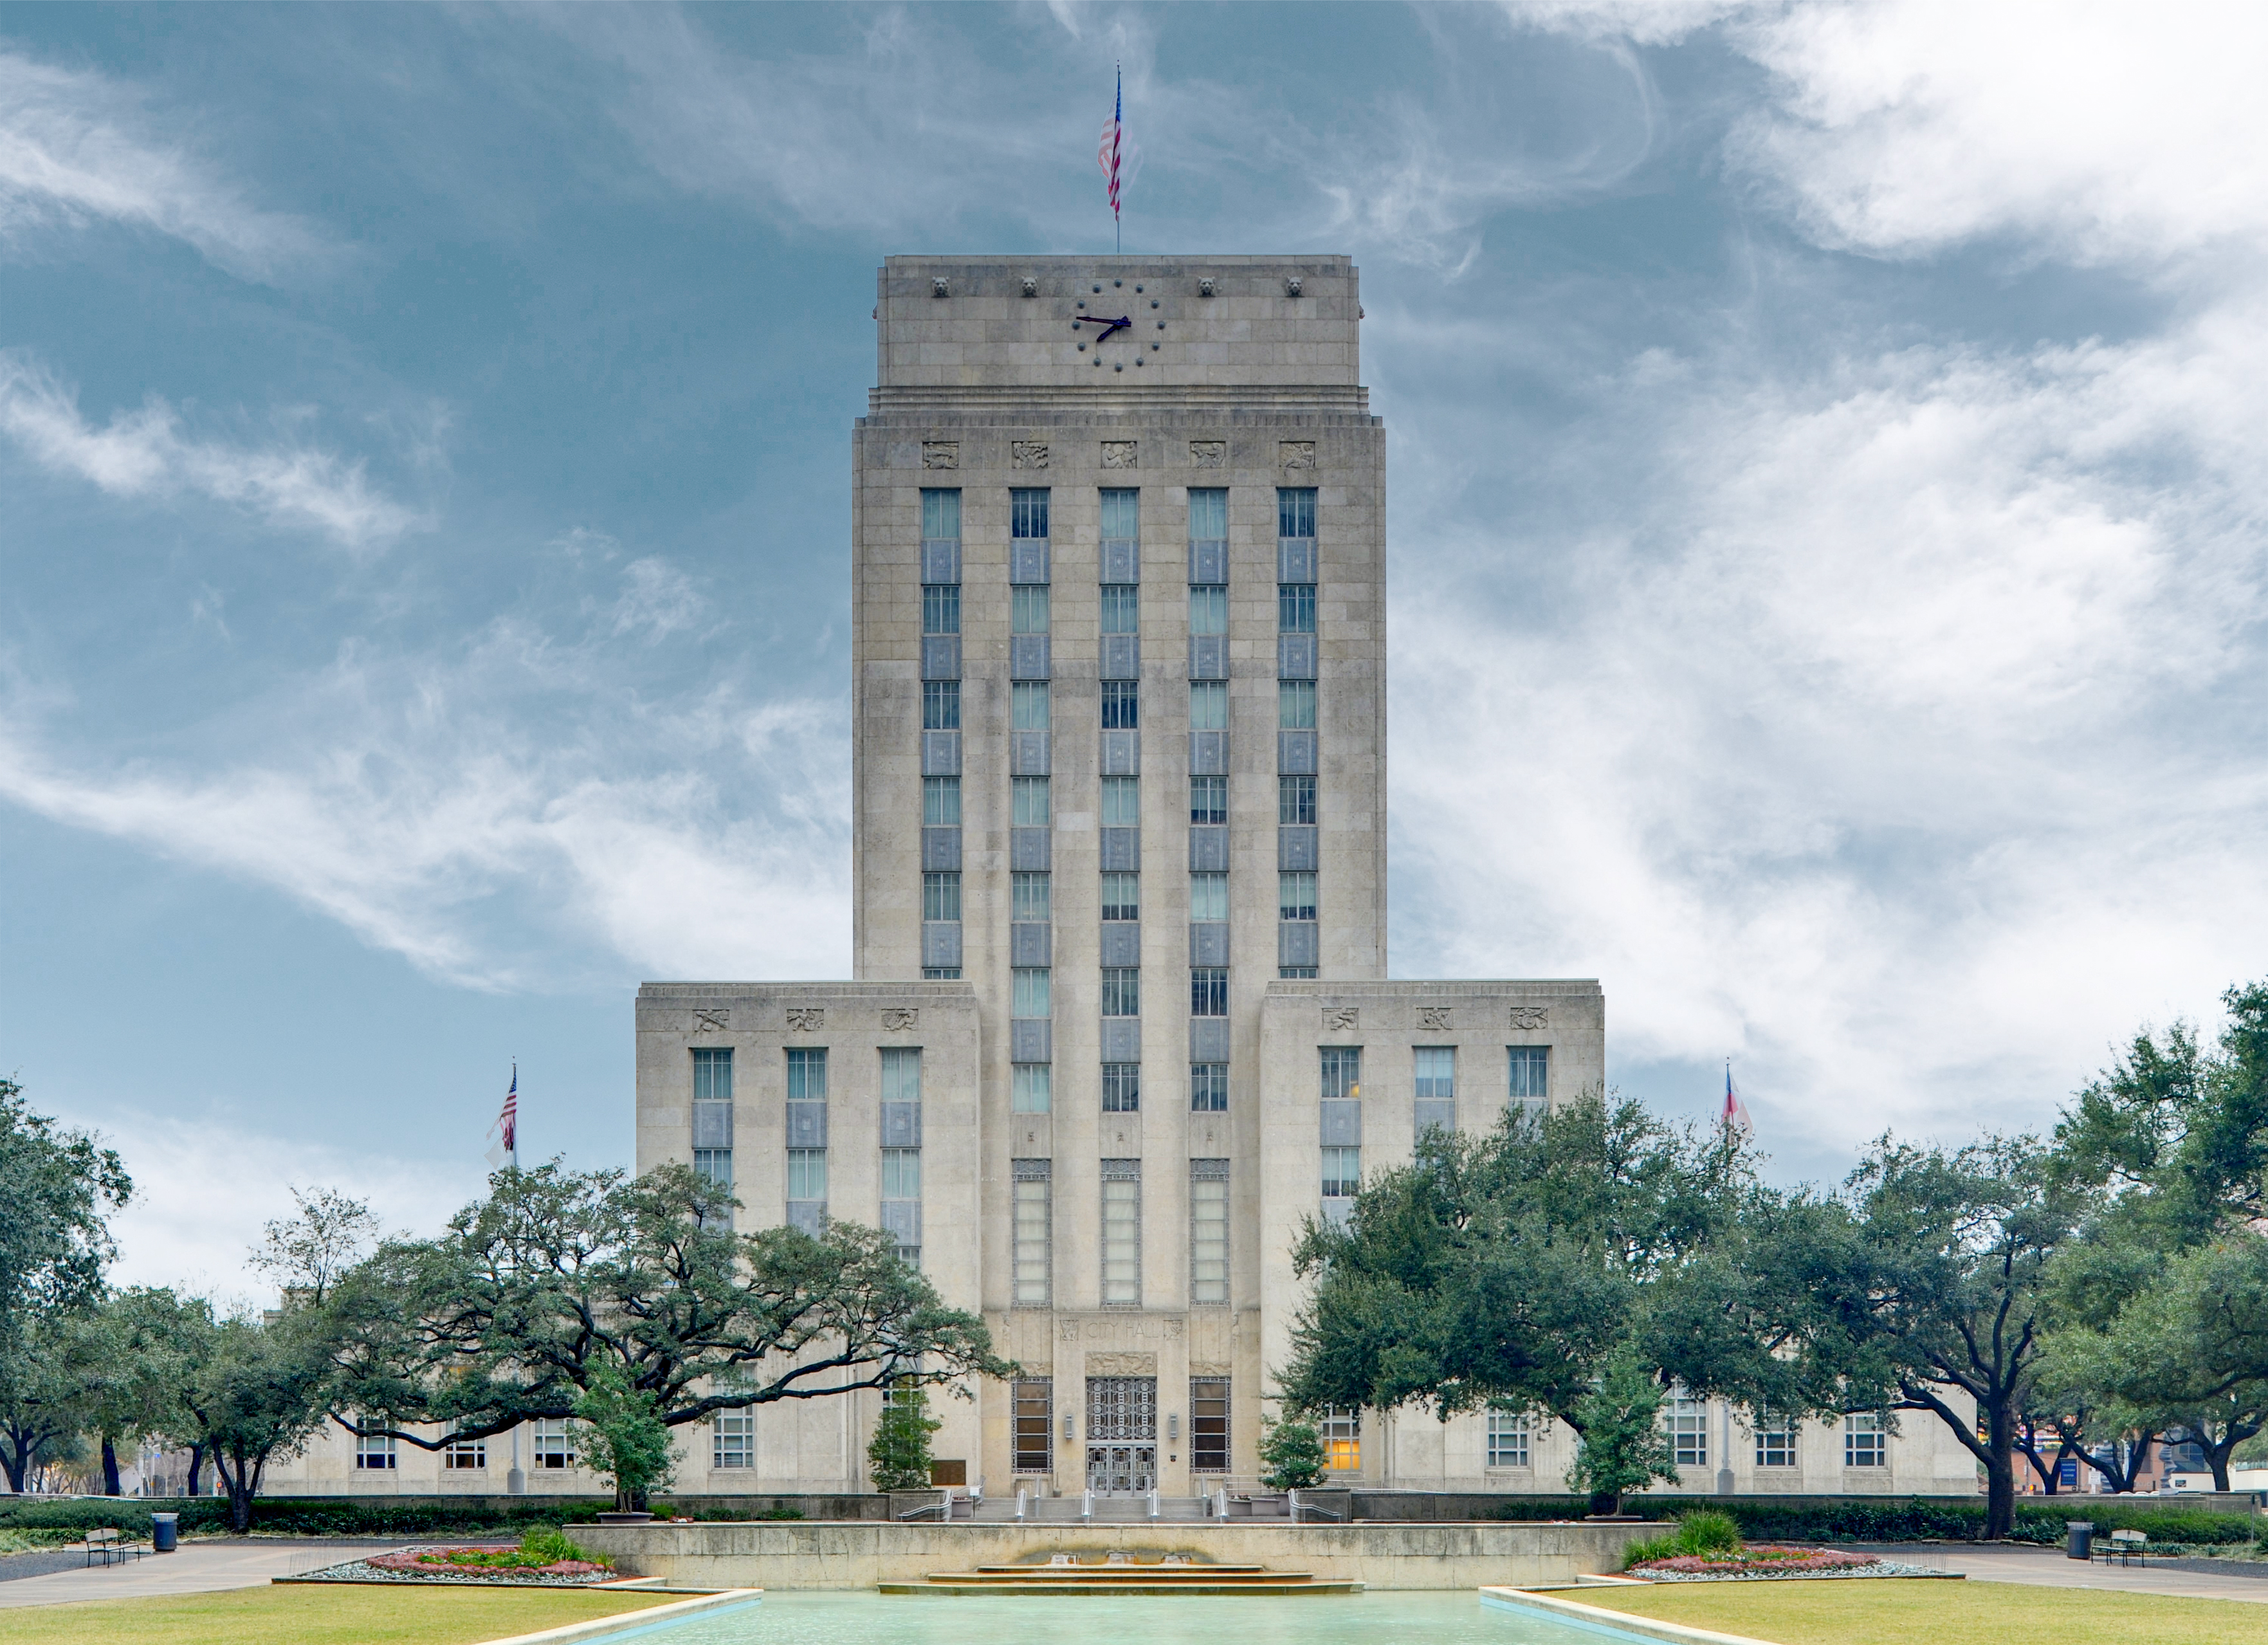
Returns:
(1735,1115)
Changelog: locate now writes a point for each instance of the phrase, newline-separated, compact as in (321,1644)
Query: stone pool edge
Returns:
(1610,1621)
(635,1621)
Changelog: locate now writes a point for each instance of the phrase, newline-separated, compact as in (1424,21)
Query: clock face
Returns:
(1107,313)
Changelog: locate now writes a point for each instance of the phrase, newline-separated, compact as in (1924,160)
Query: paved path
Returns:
(2049,1567)
(200,1566)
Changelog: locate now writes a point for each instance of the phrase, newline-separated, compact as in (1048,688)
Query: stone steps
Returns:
(1122,1577)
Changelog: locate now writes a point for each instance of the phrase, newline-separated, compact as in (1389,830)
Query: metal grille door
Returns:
(1122,1433)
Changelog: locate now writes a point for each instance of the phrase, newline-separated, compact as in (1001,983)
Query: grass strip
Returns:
(296,1615)
(1857,1612)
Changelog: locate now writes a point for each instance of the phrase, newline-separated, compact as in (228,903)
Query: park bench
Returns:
(111,1544)
(2126,1546)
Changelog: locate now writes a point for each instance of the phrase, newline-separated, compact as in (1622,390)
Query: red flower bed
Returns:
(1762,1558)
(502,1560)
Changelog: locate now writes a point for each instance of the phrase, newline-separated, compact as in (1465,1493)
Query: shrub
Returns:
(1292,1449)
(1652,1548)
(1706,1531)
(552,1544)
(1921,1519)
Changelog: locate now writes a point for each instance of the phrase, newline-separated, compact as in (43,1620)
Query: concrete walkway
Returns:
(202,1567)
(2049,1567)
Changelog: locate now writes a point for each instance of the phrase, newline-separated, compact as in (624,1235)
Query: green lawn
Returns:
(311,1615)
(1863,1612)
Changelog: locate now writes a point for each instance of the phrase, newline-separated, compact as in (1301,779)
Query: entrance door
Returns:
(1121,1434)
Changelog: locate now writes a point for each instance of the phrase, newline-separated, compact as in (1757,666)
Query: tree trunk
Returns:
(196,1466)
(2001,1480)
(1606,1504)
(110,1487)
(14,1457)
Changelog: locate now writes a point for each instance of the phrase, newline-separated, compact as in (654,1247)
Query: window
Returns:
(1295,511)
(1122,608)
(1122,990)
(940,704)
(1295,705)
(807,1173)
(806,1076)
(1209,1087)
(733,1440)
(1209,1425)
(1342,1071)
(465,1454)
(1208,514)
(1028,513)
(1122,896)
(373,1450)
(1531,1076)
(1295,894)
(1507,1439)
(940,973)
(901,1069)
(1209,991)
(1034,1426)
(1437,1071)
(941,514)
(1295,801)
(1296,973)
(1208,1230)
(553,1443)
(712,1076)
(714,1167)
(1208,800)
(1687,1419)
(901,1173)
(1342,1173)
(1031,1087)
(1341,1430)
(941,608)
(1121,705)
(1029,898)
(1029,800)
(1295,608)
(1028,609)
(1208,608)
(1122,803)
(1029,987)
(1122,512)
(941,896)
(1208,897)
(941,801)
(1122,1232)
(1033,1233)
(1209,706)
(1865,1440)
(1028,705)
(1121,1086)
(1775,1440)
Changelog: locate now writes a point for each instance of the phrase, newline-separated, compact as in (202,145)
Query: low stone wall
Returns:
(789,1555)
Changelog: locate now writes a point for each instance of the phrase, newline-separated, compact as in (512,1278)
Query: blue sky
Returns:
(1825,448)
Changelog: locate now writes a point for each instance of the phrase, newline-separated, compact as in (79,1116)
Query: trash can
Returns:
(2079,1544)
(163,1528)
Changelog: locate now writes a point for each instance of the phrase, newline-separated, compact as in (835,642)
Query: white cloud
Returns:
(76,148)
(144,453)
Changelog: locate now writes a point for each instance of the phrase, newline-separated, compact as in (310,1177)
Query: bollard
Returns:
(1086,1506)
(1153,1504)
(1019,1504)
(1292,1502)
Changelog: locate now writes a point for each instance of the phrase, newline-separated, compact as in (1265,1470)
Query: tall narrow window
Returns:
(714,1167)
(1295,801)
(806,1076)
(902,1174)
(1031,1087)
(1775,1440)
(1209,706)
(941,609)
(1341,1430)
(1208,1231)
(1122,608)
(941,801)
(1208,800)
(1342,1173)
(1687,1419)
(1209,1425)
(1530,1079)
(1209,991)
(1028,705)
(1027,610)
(1507,1439)
(1865,1440)
(941,895)
(1122,896)
(1122,990)
(1208,608)
(1030,895)
(1295,511)
(373,1450)
(1295,705)
(940,704)
(1122,1232)
(806,1174)
(553,1442)
(902,1074)
(1295,894)
(712,1074)
(732,1439)
(1122,803)
(1028,513)
(1209,1087)
(806,1138)
(1122,512)
(1034,1447)
(1208,514)
(1121,705)
(1122,1087)
(1434,1096)
(1342,1071)
(1208,897)
(1028,802)
(941,514)
(1028,988)
(1295,608)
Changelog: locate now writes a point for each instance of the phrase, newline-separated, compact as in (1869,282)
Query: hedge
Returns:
(1915,1519)
(343,1516)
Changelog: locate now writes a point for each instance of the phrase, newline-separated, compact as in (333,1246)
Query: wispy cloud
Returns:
(145,453)
(78,148)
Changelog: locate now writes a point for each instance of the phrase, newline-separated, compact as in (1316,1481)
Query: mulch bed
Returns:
(477,1565)
(1770,1563)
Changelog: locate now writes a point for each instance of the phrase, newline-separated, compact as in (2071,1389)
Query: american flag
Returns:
(506,1129)
(1113,128)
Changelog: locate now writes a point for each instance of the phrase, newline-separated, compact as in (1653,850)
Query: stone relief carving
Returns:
(897,1019)
(1342,1019)
(1433,1017)
(939,288)
(1531,1016)
(1210,1368)
(1028,454)
(1299,454)
(1122,1365)
(1209,454)
(940,453)
(806,1019)
(1031,287)
(1292,288)
(1119,453)
(1204,288)
(714,1021)
(1123,1328)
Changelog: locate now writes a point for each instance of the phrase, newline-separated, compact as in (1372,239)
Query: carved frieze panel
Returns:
(1028,454)
(1342,1019)
(940,453)
(806,1019)
(712,1020)
(1120,453)
(1209,454)
(898,1019)
(1298,454)
(1531,1016)
(1434,1017)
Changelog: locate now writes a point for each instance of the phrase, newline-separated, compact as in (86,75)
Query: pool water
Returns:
(1372,1619)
